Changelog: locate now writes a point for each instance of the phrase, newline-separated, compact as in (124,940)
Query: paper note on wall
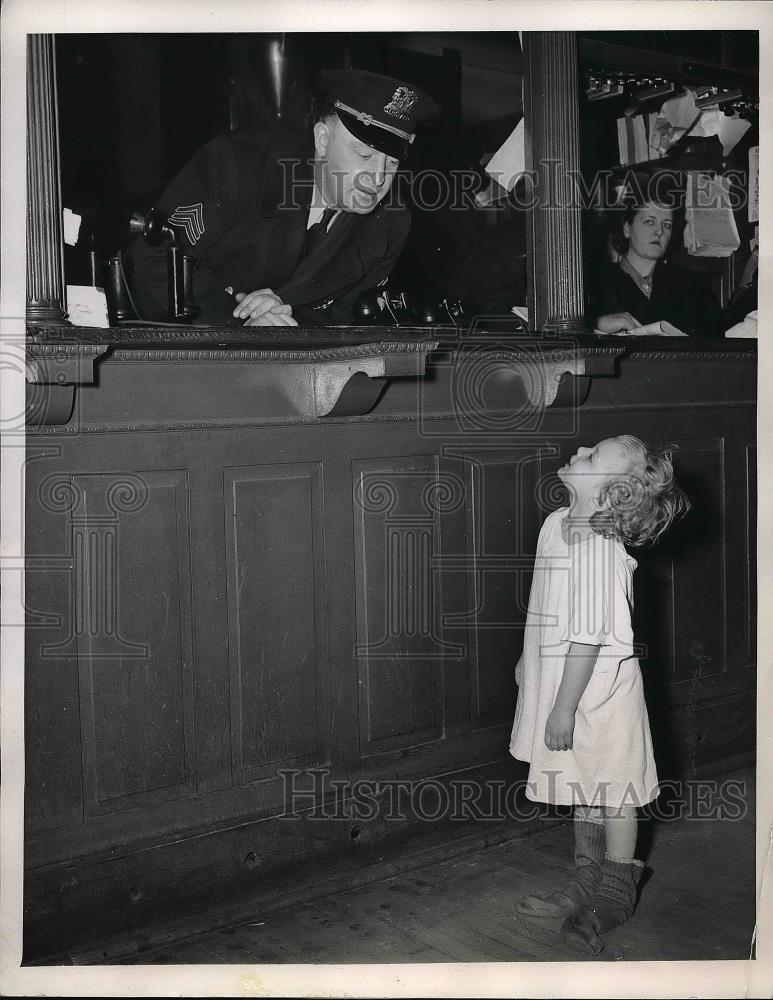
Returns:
(87,306)
(680,111)
(509,161)
(754,184)
(71,225)
(632,141)
(710,229)
(728,129)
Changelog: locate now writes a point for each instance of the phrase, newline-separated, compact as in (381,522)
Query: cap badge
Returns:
(401,104)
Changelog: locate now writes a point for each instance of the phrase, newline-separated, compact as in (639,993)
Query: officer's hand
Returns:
(616,323)
(263,308)
(278,316)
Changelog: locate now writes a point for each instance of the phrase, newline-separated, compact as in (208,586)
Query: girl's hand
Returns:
(519,671)
(559,729)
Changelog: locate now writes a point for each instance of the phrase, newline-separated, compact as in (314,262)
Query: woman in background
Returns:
(641,288)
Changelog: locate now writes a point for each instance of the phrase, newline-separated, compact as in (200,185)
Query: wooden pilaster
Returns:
(45,258)
(553,155)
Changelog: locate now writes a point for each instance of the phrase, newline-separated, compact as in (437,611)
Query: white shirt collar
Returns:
(318,206)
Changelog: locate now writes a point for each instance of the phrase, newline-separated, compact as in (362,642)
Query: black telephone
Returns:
(155,230)
(385,307)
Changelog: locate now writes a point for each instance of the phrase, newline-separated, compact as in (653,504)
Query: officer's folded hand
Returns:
(263,308)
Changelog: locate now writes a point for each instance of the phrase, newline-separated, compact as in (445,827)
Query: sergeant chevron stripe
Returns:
(191,219)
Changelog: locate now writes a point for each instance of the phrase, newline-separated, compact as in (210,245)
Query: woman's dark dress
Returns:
(678,296)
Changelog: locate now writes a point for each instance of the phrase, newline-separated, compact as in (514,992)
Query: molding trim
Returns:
(303,356)
(726,355)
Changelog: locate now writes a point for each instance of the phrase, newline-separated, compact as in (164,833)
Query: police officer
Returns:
(285,234)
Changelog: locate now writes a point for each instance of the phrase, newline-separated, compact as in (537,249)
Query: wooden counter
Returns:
(250,555)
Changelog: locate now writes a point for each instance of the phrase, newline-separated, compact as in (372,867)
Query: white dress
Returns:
(583,592)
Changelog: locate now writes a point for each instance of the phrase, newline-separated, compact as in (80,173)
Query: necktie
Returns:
(315,234)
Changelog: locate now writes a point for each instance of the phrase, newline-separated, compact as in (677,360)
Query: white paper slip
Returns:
(746,328)
(87,306)
(710,229)
(660,329)
(680,111)
(71,225)
(509,161)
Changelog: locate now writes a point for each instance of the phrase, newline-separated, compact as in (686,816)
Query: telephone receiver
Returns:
(155,230)
(387,307)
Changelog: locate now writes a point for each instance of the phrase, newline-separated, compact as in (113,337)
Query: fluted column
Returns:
(45,258)
(551,112)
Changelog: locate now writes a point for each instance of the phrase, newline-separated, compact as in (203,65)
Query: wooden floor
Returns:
(697,903)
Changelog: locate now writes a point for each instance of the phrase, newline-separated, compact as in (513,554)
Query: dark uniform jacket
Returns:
(678,296)
(241,207)
(493,280)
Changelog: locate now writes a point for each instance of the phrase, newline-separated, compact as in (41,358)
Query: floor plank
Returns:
(697,903)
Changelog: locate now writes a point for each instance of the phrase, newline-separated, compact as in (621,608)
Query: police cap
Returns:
(380,110)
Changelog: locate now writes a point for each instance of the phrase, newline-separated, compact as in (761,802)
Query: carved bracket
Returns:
(347,389)
(319,374)
(53,371)
(553,388)
(62,364)
(548,376)
(350,387)
(552,376)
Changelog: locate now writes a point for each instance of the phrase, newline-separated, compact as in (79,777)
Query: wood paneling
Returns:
(344,594)
(133,631)
(275,580)
(504,518)
(118,670)
(699,561)
(53,793)
(399,647)
(685,574)
(750,552)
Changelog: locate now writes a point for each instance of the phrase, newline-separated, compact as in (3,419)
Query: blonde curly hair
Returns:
(640,505)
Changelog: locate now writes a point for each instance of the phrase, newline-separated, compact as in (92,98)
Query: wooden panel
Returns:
(504,518)
(705,737)
(431,696)
(398,505)
(685,575)
(275,574)
(53,792)
(750,551)
(700,576)
(132,627)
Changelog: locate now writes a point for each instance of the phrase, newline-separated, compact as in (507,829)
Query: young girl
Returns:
(580,719)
